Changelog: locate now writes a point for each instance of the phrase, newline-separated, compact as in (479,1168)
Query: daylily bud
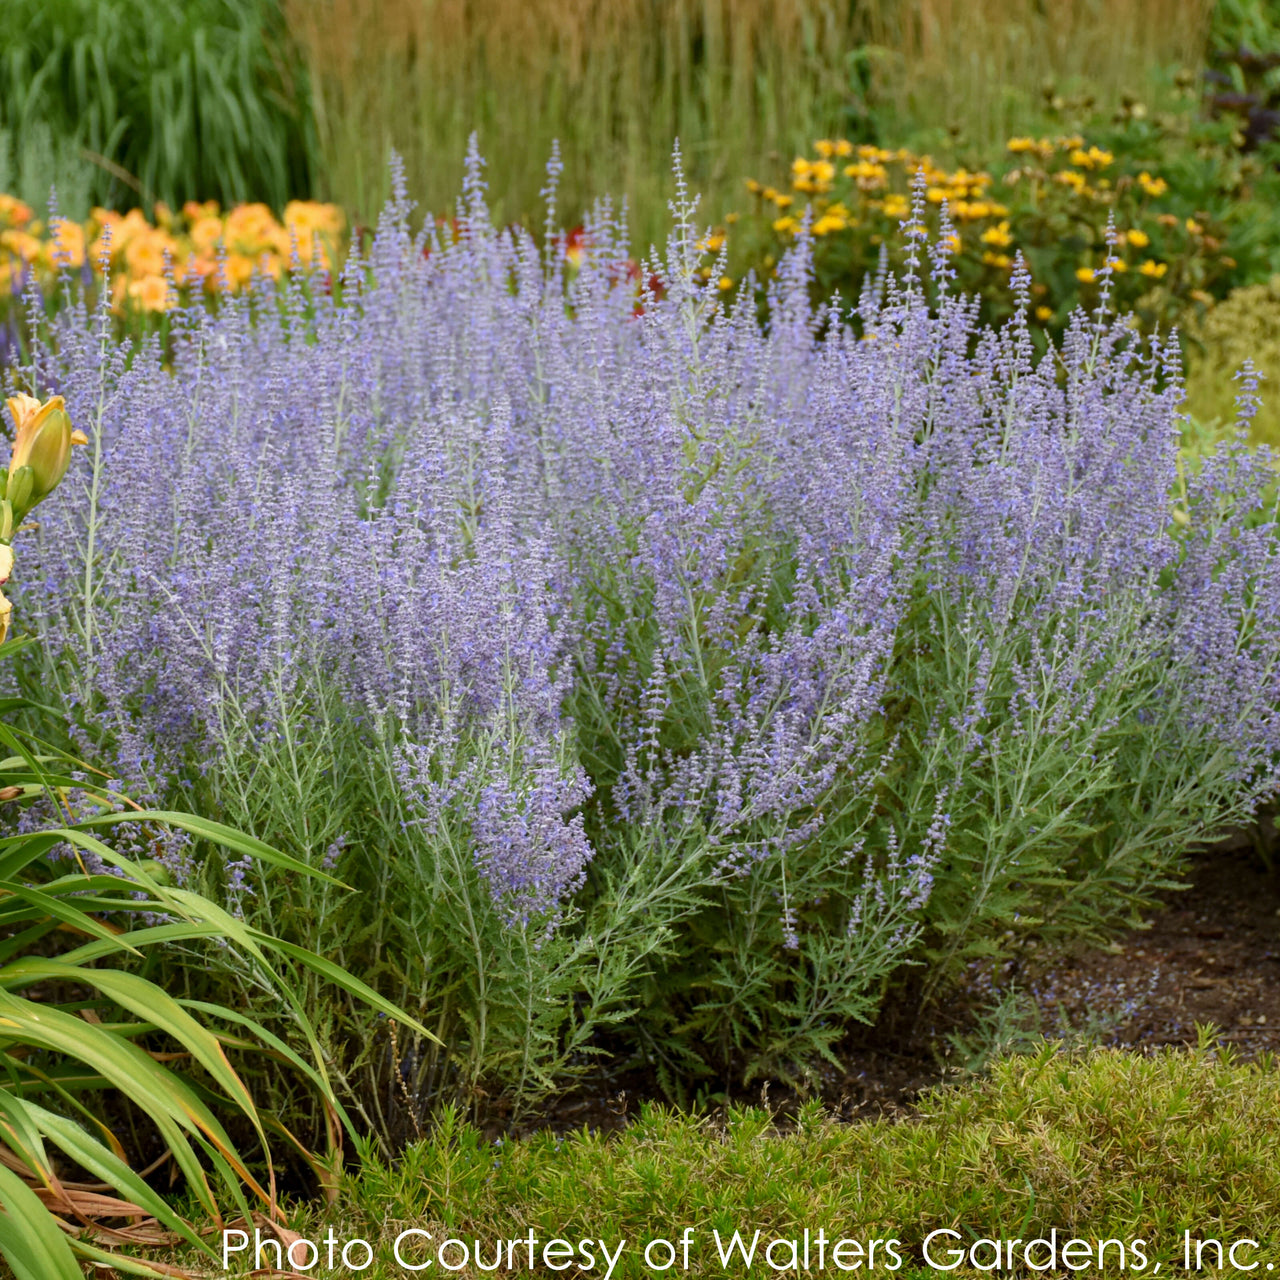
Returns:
(42,442)
(6,519)
(21,490)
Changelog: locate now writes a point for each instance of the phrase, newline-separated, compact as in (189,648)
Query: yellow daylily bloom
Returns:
(6,612)
(150,293)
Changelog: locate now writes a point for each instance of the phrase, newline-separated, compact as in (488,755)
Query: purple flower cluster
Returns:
(819,596)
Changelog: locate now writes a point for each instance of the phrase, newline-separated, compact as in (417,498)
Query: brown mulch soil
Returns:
(1211,956)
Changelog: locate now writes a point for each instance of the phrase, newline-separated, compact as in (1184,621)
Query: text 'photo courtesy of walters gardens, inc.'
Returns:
(688,1250)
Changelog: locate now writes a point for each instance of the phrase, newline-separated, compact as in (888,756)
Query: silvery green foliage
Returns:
(649,668)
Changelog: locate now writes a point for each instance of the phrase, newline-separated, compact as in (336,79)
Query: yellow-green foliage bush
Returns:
(1245,326)
(1108,1145)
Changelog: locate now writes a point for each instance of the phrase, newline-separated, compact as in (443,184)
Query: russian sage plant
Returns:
(668,682)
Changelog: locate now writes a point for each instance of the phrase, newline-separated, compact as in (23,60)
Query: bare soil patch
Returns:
(1209,956)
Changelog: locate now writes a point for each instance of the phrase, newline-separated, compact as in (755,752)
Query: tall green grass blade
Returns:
(108,1167)
(30,1241)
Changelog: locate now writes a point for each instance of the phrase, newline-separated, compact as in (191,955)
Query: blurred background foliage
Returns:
(274,100)
(133,101)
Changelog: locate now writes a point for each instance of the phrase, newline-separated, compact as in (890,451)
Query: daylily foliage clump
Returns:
(81,888)
(672,685)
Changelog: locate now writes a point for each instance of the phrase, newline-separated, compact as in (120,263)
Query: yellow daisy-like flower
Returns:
(867,174)
(726,283)
(998,236)
(1085,274)
(1153,269)
(1139,239)
(1152,186)
(786,225)
(1094,158)
(1044,314)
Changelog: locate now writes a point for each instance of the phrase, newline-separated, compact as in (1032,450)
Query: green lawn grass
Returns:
(1106,1145)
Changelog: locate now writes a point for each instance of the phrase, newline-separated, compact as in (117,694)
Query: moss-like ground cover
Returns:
(1103,1146)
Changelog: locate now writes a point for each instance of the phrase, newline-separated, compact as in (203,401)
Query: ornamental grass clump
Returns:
(670,685)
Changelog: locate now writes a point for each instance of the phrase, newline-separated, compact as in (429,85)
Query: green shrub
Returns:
(1244,327)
